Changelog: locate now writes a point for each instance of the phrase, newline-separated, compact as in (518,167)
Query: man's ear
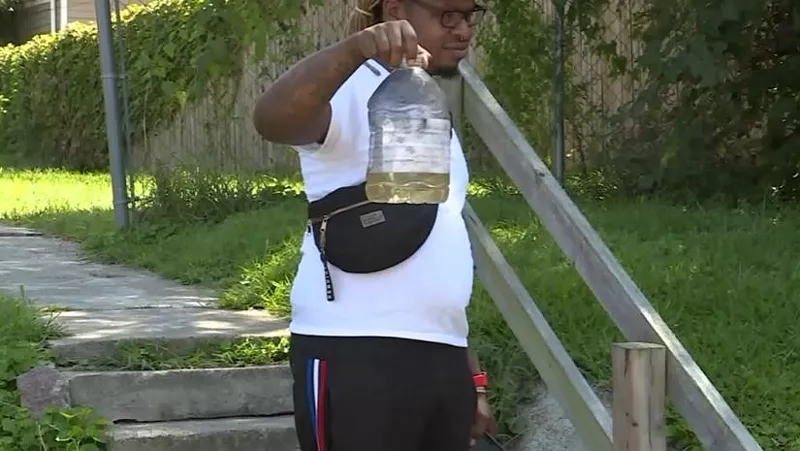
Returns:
(393,10)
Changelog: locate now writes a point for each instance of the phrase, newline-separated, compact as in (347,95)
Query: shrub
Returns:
(176,51)
(719,114)
(22,335)
(713,108)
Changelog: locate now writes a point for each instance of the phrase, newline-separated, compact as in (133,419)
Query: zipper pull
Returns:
(328,281)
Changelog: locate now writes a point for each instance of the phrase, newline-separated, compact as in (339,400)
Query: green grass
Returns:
(30,192)
(726,281)
(232,353)
(23,332)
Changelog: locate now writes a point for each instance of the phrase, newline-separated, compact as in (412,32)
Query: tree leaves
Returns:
(177,51)
(723,89)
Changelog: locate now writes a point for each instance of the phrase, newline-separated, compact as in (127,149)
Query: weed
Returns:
(23,332)
(247,351)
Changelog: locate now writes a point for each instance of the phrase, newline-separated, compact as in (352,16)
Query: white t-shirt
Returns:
(423,298)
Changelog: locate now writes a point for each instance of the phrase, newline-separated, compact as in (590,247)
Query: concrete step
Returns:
(149,396)
(99,334)
(228,434)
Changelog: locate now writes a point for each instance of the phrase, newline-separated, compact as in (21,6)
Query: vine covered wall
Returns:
(177,51)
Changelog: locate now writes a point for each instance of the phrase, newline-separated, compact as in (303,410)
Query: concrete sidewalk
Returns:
(112,302)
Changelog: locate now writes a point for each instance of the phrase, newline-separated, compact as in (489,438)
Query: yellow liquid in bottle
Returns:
(408,187)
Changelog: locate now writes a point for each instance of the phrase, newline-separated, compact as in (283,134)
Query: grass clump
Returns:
(239,352)
(23,333)
(725,280)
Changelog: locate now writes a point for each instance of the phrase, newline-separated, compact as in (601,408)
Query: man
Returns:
(383,365)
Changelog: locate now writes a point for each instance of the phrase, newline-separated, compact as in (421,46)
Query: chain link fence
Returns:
(599,49)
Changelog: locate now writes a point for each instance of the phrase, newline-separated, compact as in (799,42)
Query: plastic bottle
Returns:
(410,130)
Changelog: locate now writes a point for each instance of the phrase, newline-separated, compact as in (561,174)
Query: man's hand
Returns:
(484,421)
(391,42)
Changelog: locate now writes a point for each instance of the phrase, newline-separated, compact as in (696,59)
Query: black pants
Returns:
(381,394)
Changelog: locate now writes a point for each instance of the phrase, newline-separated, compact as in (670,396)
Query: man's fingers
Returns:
(423,57)
(391,42)
(492,427)
(395,37)
(478,428)
(483,423)
(382,45)
(409,40)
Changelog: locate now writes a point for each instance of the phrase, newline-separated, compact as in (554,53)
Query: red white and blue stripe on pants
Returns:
(317,386)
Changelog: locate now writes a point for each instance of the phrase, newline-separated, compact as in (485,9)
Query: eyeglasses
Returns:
(452,19)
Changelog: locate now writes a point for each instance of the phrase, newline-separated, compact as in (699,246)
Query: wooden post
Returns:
(639,410)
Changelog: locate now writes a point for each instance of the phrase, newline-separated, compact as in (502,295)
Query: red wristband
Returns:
(480,379)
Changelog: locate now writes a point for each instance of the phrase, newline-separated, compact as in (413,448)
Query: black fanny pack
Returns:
(359,236)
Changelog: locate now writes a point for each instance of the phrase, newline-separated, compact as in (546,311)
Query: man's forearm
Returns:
(474,364)
(290,110)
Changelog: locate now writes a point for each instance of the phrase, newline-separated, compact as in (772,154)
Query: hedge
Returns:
(52,113)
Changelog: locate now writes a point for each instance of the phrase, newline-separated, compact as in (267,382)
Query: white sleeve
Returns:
(343,105)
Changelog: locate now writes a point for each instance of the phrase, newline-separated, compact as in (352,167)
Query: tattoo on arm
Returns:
(293,110)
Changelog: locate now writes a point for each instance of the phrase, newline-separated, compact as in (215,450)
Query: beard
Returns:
(443,72)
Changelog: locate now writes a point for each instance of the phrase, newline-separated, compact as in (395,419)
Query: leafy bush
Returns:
(720,113)
(518,65)
(22,336)
(176,51)
(181,196)
(519,71)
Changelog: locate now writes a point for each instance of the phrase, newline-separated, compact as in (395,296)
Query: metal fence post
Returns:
(558,93)
(115,153)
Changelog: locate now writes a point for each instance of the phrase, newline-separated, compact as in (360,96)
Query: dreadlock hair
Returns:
(366,14)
